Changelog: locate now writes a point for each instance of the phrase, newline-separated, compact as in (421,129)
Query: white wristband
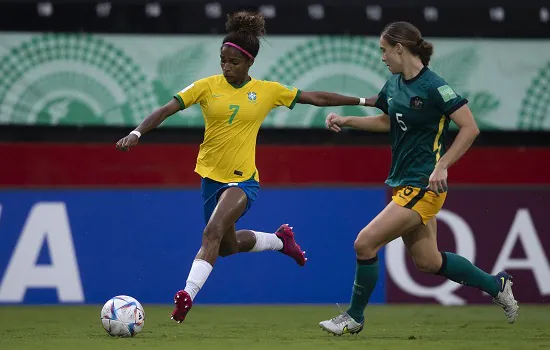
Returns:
(135,132)
(362,101)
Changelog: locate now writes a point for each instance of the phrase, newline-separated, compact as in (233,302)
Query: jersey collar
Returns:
(241,85)
(416,77)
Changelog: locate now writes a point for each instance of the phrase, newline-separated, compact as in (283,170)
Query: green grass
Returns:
(278,327)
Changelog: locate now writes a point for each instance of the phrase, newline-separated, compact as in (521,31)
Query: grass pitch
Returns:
(278,327)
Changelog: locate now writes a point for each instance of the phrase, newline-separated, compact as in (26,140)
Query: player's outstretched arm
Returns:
(378,123)
(327,99)
(152,121)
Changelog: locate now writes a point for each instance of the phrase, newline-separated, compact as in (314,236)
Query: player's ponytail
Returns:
(244,32)
(409,36)
(425,51)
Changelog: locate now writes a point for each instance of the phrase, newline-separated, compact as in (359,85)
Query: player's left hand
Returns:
(438,180)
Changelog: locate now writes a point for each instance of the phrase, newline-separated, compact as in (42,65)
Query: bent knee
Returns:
(365,247)
(213,232)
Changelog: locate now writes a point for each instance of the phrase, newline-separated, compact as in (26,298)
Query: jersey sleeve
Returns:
(285,95)
(382,100)
(447,100)
(193,93)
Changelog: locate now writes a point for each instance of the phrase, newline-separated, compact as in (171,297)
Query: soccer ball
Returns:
(122,316)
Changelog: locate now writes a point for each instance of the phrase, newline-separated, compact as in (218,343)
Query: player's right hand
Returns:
(125,143)
(334,122)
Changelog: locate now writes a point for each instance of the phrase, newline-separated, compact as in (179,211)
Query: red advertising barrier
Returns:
(58,165)
(497,229)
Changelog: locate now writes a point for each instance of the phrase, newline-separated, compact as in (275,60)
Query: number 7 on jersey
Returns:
(235,109)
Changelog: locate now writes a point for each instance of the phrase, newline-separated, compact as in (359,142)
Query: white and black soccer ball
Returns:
(122,316)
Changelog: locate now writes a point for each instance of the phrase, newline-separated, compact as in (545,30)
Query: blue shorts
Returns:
(211,191)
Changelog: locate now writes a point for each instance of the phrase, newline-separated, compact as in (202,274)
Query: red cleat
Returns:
(183,304)
(290,247)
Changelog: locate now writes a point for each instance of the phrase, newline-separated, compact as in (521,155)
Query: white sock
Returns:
(266,241)
(200,270)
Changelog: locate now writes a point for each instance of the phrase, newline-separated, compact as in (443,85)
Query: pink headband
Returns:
(239,48)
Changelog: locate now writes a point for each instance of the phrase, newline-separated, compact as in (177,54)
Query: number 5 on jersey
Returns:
(235,109)
(401,123)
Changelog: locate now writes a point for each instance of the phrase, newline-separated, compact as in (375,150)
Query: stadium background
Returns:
(80,222)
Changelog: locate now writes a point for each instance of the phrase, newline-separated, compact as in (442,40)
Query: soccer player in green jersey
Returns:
(417,107)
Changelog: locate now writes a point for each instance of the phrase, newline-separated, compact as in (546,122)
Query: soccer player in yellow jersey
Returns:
(234,106)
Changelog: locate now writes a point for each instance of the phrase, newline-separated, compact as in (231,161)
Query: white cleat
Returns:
(342,324)
(505,297)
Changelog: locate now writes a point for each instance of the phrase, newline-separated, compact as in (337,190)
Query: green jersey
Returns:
(419,111)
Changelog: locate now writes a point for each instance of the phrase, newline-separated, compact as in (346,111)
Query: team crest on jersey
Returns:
(416,103)
(252,96)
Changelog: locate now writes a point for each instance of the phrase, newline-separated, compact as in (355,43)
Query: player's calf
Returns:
(227,250)
(426,264)
(228,245)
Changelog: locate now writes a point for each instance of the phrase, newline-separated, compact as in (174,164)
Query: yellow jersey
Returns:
(232,117)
